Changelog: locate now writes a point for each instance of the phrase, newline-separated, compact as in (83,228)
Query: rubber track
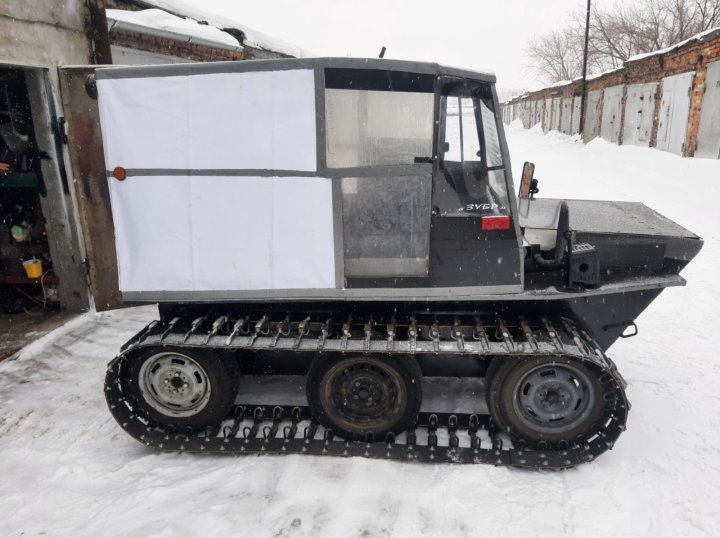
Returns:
(434,437)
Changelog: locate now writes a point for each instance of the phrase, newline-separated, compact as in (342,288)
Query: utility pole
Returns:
(584,75)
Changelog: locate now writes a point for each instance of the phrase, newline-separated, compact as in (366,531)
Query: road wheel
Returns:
(546,401)
(185,388)
(364,396)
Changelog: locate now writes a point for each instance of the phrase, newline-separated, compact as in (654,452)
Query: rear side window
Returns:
(377,118)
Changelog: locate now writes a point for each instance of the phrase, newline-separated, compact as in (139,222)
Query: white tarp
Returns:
(223,233)
(256,120)
(214,232)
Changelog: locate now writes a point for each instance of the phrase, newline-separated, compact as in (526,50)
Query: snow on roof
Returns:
(696,37)
(157,19)
(258,40)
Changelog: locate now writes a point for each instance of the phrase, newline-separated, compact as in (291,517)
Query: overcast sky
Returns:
(475,34)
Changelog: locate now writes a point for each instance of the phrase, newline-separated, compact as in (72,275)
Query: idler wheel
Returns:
(548,401)
(364,397)
(184,388)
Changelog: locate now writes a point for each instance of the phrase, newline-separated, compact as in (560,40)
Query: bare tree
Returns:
(620,32)
(556,56)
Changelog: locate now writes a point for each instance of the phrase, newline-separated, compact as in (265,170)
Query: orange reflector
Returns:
(119,173)
(496,223)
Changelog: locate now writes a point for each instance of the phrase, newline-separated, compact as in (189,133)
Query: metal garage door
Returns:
(556,114)
(709,133)
(612,114)
(639,112)
(567,110)
(547,119)
(577,106)
(592,115)
(674,111)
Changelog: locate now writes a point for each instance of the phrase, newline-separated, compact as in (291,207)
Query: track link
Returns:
(433,437)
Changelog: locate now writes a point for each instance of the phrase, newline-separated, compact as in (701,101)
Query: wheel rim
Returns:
(174,384)
(553,398)
(363,396)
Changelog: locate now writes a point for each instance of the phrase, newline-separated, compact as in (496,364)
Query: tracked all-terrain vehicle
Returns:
(354,222)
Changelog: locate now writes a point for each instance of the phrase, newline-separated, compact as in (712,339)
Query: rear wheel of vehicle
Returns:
(364,397)
(184,388)
(546,401)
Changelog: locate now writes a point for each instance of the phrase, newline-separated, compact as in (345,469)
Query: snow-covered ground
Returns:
(66,468)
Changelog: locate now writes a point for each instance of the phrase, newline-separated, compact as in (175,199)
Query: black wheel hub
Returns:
(363,392)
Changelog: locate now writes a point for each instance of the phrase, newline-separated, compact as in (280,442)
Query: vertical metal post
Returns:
(584,73)
(97,31)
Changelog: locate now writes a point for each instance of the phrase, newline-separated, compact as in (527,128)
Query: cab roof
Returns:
(185,69)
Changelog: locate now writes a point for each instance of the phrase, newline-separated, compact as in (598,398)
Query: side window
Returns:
(376,118)
(461,132)
(472,173)
(492,141)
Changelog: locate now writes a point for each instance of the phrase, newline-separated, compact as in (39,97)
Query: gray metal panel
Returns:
(547,115)
(128,56)
(600,217)
(575,122)
(499,293)
(533,112)
(709,131)
(612,113)
(639,113)
(337,201)
(592,115)
(556,110)
(566,115)
(674,112)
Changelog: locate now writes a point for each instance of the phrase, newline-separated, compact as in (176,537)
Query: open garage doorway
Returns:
(41,261)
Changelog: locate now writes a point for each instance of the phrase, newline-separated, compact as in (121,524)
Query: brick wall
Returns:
(692,56)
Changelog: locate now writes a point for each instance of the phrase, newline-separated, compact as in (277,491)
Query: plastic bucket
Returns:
(33,268)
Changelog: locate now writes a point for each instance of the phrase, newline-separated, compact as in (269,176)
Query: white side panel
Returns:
(674,112)
(144,122)
(257,120)
(709,133)
(153,228)
(223,233)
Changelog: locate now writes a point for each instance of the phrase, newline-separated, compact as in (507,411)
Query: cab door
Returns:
(474,241)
